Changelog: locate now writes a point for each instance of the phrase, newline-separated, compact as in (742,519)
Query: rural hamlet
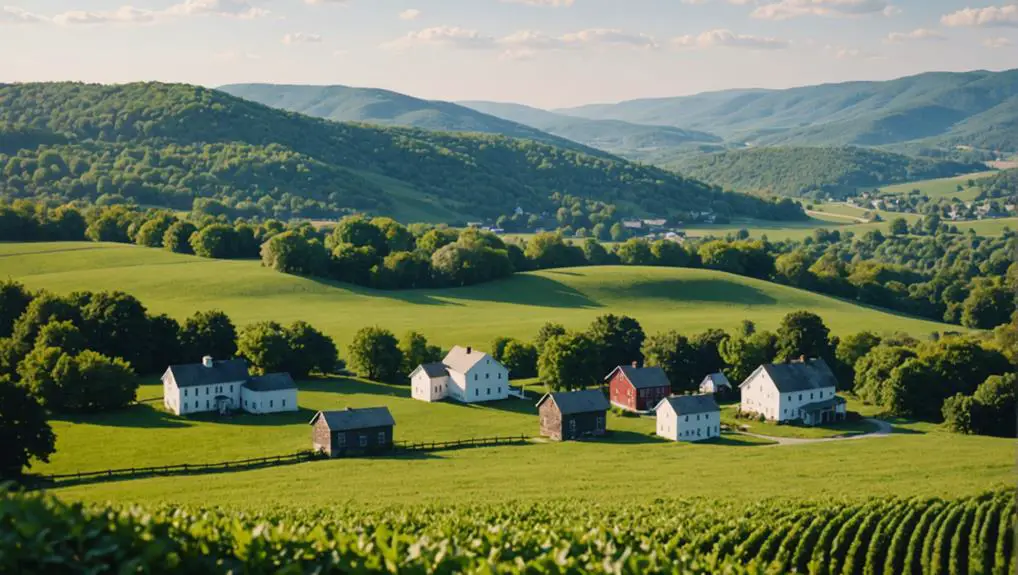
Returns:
(347,431)
(225,386)
(800,390)
(573,414)
(465,375)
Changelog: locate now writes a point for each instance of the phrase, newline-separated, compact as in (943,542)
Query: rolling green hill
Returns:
(798,171)
(635,141)
(167,144)
(660,298)
(938,109)
(376,106)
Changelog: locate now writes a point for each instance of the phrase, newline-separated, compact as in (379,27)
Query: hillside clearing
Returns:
(689,300)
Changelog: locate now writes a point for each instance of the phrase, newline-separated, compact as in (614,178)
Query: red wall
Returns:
(619,390)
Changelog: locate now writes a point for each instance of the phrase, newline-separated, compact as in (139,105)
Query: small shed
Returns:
(362,430)
(716,383)
(637,388)
(573,414)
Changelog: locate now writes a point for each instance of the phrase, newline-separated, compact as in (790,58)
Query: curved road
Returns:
(883,429)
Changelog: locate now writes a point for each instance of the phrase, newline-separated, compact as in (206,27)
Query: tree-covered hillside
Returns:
(376,106)
(802,171)
(167,144)
(978,109)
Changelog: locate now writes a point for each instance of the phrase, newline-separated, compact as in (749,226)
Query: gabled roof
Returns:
(271,382)
(718,379)
(194,374)
(461,359)
(690,404)
(350,418)
(799,375)
(825,404)
(643,377)
(578,401)
(432,369)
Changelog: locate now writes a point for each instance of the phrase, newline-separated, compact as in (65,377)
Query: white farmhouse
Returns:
(223,386)
(465,374)
(800,390)
(715,383)
(688,418)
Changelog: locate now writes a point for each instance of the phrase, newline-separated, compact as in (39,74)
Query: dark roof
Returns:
(578,401)
(435,369)
(193,374)
(643,377)
(360,418)
(690,404)
(271,382)
(801,375)
(717,379)
(825,404)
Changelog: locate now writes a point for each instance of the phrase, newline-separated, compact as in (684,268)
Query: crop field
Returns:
(958,535)
(941,187)
(688,300)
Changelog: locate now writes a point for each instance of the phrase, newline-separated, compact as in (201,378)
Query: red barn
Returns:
(637,388)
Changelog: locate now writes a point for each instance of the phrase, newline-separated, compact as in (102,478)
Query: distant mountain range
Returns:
(939,109)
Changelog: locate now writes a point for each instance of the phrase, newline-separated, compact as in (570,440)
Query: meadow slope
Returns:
(688,300)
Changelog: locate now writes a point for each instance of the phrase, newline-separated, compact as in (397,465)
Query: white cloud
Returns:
(15,15)
(411,14)
(132,15)
(991,16)
(521,44)
(608,37)
(316,2)
(452,36)
(301,38)
(997,43)
(843,53)
(785,9)
(919,34)
(547,3)
(729,39)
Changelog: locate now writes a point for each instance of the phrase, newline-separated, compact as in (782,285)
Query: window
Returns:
(698,432)
(341,440)
(185,392)
(487,376)
(600,423)
(800,397)
(500,376)
(698,417)
(475,377)
(381,438)
(207,404)
(477,392)
(271,401)
(208,390)
(811,396)
(489,391)
(196,404)
(789,398)
(231,389)
(363,440)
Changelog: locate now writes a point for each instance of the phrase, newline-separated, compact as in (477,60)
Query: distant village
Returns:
(801,391)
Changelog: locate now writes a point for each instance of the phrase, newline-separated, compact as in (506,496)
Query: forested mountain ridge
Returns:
(385,107)
(634,141)
(168,144)
(815,172)
(937,109)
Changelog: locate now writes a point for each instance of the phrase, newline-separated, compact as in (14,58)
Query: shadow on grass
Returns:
(350,386)
(518,289)
(511,405)
(735,441)
(302,415)
(695,290)
(138,415)
(629,438)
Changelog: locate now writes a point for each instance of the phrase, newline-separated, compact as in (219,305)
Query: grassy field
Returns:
(772,429)
(660,298)
(941,187)
(629,464)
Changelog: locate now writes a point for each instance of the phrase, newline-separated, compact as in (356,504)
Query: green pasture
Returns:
(941,187)
(688,300)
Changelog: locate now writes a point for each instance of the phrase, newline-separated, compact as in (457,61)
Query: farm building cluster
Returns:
(801,390)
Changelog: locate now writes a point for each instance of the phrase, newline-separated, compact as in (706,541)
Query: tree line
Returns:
(84,352)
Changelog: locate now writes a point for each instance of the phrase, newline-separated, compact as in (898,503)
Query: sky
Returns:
(545,53)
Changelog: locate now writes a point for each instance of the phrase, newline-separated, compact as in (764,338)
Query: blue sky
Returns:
(548,53)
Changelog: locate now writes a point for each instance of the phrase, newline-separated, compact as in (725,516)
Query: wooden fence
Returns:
(460,443)
(63,480)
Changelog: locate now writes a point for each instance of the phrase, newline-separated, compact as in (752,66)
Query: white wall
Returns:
(487,380)
(698,426)
(424,388)
(791,402)
(666,426)
(760,395)
(276,401)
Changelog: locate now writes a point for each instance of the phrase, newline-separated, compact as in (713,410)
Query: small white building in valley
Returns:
(224,386)
(688,417)
(465,374)
(800,390)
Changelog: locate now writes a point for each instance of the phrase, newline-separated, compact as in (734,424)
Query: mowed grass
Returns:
(688,300)
(941,187)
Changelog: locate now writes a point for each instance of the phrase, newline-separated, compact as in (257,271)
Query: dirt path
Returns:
(883,429)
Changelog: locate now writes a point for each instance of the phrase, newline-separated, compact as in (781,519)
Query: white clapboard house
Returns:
(465,375)
(224,386)
(688,417)
(801,390)
(716,383)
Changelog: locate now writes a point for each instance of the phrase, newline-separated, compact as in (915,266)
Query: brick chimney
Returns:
(636,363)
(207,361)
(469,349)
